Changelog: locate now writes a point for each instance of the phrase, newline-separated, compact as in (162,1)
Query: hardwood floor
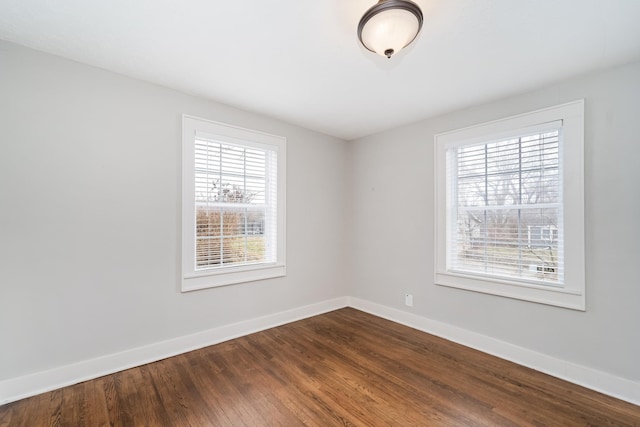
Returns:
(344,368)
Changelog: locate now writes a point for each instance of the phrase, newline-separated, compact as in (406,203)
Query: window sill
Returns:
(559,297)
(231,276)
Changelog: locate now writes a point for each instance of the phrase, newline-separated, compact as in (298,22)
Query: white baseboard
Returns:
(30,385)
(40,382)
(603,382)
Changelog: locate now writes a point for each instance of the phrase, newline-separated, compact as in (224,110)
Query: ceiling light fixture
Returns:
(389,26)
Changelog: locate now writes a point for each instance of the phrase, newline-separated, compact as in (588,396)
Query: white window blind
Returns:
(236,200)
(509,217)
(505,207)
(233,204)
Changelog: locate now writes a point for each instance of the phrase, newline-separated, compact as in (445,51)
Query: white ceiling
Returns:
(300,61)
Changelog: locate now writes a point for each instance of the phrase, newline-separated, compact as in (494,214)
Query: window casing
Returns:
(510,207)
(233,205)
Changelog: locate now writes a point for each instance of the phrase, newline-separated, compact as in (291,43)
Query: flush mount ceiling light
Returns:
(389,26)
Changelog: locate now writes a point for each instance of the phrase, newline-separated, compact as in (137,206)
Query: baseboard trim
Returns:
(602,382)
(40,382)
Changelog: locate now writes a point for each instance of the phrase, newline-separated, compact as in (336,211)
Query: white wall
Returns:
(90,219)
(393,214)
(90,211)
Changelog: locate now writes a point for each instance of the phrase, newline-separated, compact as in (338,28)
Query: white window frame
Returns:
(572,293)
(192,279)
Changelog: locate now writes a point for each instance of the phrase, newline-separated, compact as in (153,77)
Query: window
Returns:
(233,199)
(510,207)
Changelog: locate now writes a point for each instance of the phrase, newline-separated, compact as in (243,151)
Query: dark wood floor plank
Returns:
(55,407)
(72,408)
(344,368)
(376,356)
(310,375)
(111,398)
(300,396)
(199,396)
(174,394)
(96,413)
(206,377)
(349,385)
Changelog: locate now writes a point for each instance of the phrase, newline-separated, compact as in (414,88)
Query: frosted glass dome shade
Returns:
(389,26)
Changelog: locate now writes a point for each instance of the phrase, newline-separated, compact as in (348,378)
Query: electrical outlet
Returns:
(408,300)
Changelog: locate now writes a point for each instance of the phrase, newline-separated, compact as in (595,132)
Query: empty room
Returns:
(349,213)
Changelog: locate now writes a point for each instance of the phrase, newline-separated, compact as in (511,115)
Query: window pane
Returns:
(235,204)
(507,205)
(520,243)
(208,252)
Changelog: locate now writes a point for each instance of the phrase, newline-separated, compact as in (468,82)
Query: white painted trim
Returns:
(40,382)
(571,150)
(192,128)
(603,382)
